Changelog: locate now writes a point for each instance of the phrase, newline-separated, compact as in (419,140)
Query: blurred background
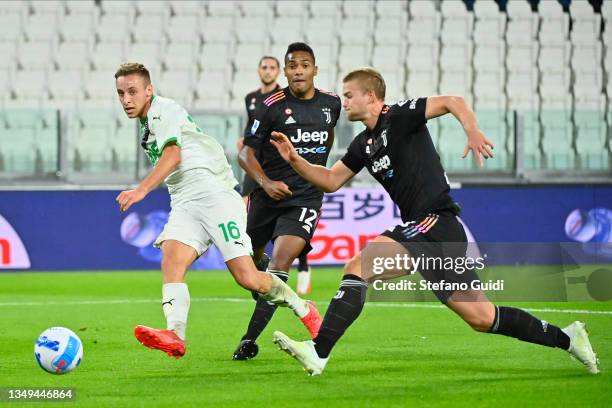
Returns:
(536,72)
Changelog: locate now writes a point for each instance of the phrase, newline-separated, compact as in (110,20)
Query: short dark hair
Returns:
(368,79)
(299,46)
(265,57)
(134,68)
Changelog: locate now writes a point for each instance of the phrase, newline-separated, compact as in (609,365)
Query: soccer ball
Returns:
(58,350)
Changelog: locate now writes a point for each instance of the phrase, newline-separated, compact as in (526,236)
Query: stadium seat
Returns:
(107,56)
(451,144)
(187,7)
(218,29)
(215,57)
(34,56)
(143,34)
(326,9)
(322,30)
(296,8)
(591,138)
(260,8)
(54,8)
(356,31)
(352,56)
(395,84)
(211,90)
(557,136)
(78,28)
(281,27)
(390,31)
(247,56)
(147,54)
(493,124)
(11,28)
(100,86)
(358,8)
(180,57)
(119,7)
(388,55)
(15,9)
(72,56)
(223,8)
(42,27)
(424,24)
(391,9)
(85,8)
(184,29)
(177,85)
(253,30)
(152,8)
(114,28)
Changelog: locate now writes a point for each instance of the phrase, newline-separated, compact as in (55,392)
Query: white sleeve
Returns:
(166,126)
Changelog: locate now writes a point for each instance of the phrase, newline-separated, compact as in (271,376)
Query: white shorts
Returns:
(218,219)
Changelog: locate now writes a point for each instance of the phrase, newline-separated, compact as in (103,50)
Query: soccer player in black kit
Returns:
(268,70)
(398,151)
(284,207)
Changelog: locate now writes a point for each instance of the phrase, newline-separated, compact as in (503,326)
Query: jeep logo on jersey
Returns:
(316,137)
(381,164)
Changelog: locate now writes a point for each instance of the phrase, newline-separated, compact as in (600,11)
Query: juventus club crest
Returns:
(327,112)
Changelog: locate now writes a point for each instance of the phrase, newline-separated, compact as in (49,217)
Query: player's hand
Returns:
(480,146)
(277,190)
(126,199)
(284,146)
(240,143)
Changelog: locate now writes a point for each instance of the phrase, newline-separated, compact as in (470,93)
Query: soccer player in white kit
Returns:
(205,209)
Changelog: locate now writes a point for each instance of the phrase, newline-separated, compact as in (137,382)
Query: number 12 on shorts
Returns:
(230,230)
(308,220)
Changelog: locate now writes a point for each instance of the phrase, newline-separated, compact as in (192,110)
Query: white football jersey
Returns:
(203,169)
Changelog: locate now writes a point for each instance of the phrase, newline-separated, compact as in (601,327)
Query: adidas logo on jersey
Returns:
(306,137)
(381,164)
(290,120)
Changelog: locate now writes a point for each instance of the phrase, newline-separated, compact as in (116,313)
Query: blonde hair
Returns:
(368,79)
(134,68)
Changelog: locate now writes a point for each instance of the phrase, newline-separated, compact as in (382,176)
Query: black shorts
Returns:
(248,185)
(265,223)
(432,236)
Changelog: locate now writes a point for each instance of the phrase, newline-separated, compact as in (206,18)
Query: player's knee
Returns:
(353,267)
(280,262)
(480,322)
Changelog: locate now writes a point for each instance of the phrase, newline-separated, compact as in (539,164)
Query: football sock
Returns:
(343,309)
(519,324)
(175,303)
(303,263)
(263,312)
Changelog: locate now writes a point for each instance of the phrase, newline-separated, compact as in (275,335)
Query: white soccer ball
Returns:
(58,350)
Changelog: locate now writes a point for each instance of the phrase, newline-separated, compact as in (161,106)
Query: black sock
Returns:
(263,312)
(343,309)
(519,324)
(303,263)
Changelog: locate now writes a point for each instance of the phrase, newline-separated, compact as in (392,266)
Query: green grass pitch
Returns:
(394,355)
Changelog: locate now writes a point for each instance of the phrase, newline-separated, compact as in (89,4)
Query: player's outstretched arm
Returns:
(328,180)
(277,190)
(167,163)
(478,143)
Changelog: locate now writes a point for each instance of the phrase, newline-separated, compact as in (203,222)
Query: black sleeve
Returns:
(412,112)
(260,129)
(353,158)
(249,122)
(336,110)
